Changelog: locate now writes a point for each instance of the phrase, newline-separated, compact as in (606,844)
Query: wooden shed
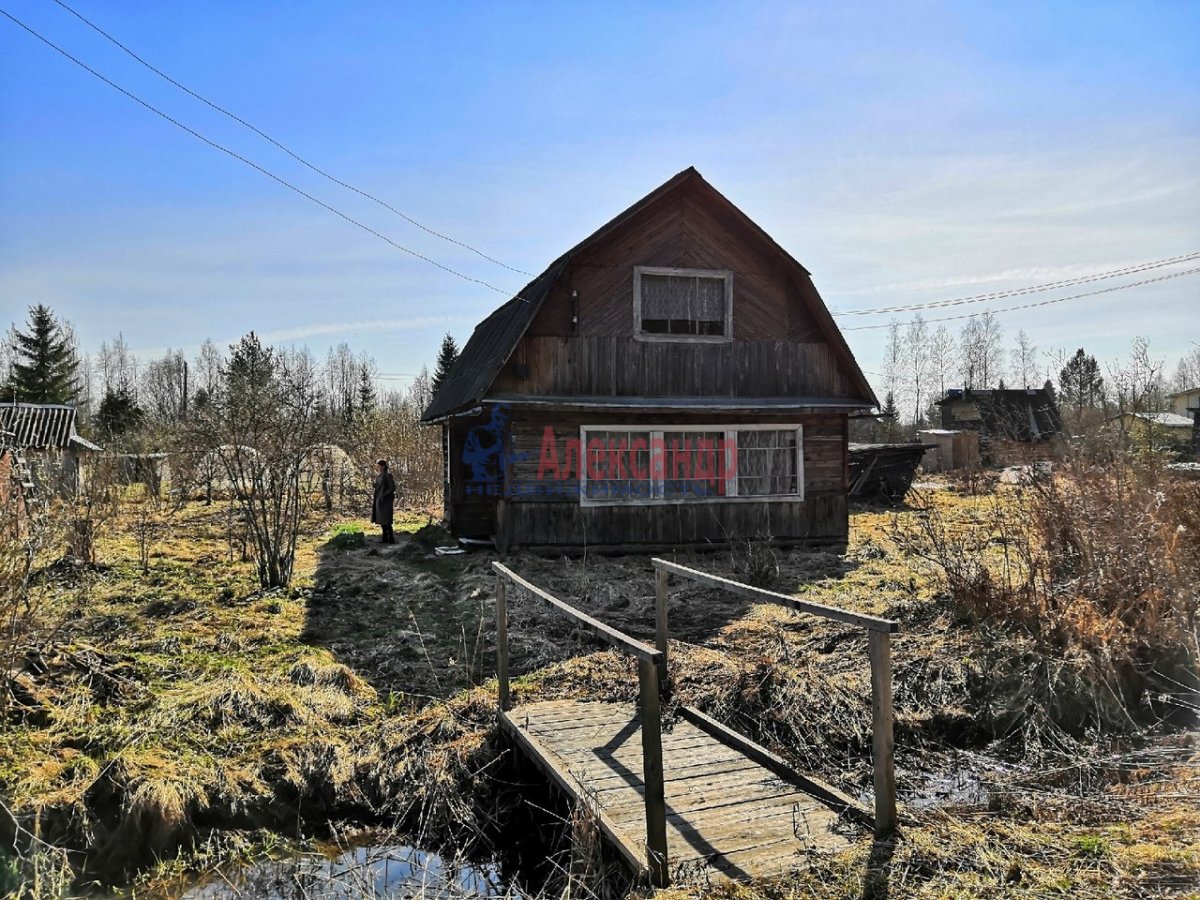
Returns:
(45,435)
(672,380)
(1014,426)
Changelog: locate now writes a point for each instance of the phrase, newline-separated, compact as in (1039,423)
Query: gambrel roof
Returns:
(497,336)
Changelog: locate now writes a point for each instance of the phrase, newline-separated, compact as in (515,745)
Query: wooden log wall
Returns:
(537,516)
(623,367)
(582,340)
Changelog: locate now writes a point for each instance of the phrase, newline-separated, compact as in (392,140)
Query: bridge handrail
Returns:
(650,662)
(618,639)
(874,623)
(879,648)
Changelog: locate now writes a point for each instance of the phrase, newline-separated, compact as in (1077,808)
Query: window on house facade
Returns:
(616,465)
(685,464)
(682,304)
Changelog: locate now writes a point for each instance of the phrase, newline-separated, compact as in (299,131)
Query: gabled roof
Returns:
(495,338)
(41,426)
(1030,414)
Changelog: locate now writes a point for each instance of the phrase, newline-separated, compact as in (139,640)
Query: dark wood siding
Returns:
(537,515)
(777,347)
(623,367)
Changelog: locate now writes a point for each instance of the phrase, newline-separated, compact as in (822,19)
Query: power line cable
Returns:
(293,154)
(257,167)
(283,182)
(1119,287)
(1036,289)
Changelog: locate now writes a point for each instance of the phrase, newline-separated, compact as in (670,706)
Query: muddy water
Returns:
(363,872)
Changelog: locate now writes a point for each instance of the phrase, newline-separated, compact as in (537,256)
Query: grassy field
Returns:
(179,719)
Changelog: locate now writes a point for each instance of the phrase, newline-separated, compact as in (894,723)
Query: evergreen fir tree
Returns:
(890,415)
(119,413)
(366,392)
(45,368)
(445,361)
(1081,385)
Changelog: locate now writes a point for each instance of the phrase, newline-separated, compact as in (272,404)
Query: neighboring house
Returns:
(673,380)
(1158,429)
(1186,403)
(1014,426)
(45,436)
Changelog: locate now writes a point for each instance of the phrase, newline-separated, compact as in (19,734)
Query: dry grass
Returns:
(186,699)
(1092,580)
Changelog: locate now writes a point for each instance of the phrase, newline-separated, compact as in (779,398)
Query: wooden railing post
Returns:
(502,642)
(652,774)
(882,739)
(660,622)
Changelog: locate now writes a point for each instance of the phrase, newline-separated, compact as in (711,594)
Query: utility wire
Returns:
(1036,289)
(281,181)
(296,156)
(1119,287)
(256,166)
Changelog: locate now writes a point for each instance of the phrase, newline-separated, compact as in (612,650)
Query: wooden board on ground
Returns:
(728,817)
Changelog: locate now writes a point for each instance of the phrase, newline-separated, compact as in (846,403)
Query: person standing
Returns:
(382,501)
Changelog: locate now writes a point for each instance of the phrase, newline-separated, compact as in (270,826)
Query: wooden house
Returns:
(1014,426)
(672,380)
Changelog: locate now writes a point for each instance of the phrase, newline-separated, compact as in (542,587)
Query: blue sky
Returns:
(904,153)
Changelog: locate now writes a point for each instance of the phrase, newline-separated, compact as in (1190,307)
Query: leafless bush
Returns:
(260,428)
(1100,567)
(90,509)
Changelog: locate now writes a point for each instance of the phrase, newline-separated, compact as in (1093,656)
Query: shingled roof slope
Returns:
(495,338)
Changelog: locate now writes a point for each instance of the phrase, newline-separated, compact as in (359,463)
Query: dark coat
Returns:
(383,499)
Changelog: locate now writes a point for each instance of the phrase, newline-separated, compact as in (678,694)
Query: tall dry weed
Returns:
(1097,569)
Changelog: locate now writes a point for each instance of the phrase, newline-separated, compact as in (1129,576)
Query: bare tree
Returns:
(1024,361)
(893,368)
(981,352)
(205,373)
(262,426)
(943,357)
(164,387)
(117,368)
(1137,383)
(1187,372)
(918,356)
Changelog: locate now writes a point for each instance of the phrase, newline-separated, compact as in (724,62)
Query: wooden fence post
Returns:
(652,774)
(660,622)
(502,642)
(882,739)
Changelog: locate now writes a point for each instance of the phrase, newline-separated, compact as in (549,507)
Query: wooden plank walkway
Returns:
(727,815)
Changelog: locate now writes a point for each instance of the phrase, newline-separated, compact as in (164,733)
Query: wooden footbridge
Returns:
(700,800)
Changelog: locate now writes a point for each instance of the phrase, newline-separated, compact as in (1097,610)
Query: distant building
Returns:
(44,434)
(1162,430)
(1014,425)
(1186,403)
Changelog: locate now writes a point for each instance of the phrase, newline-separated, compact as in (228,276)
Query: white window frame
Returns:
(658,465)
(724,274)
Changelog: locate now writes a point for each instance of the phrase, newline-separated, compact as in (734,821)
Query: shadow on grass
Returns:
(418,625)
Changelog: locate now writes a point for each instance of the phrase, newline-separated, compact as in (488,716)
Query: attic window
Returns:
(682,304)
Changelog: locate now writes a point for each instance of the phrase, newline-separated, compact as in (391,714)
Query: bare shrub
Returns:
(1099,567)
(260,428)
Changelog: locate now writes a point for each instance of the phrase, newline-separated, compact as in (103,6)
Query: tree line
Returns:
(921,364)
(132,404)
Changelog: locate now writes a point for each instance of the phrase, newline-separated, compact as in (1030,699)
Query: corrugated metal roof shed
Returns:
(41,426)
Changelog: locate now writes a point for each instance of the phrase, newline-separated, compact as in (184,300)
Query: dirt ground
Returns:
(166,717)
